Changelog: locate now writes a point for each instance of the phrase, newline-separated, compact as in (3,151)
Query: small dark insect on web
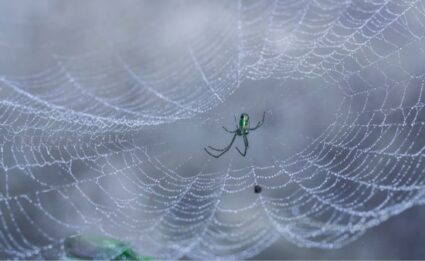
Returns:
(257,189)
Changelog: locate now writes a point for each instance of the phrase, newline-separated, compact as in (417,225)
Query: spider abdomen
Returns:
(244,121)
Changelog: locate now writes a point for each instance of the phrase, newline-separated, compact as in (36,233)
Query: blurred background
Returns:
(105,109)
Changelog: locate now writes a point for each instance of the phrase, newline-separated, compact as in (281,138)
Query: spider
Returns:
(241,130)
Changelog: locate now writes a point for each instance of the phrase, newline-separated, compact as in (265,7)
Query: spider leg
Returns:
(259,124)
(245,141)
(229,130)
(209,153)
(222,151)
(218,155)
(212,148)
(236,132)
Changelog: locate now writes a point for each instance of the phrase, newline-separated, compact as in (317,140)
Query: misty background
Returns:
(143,86)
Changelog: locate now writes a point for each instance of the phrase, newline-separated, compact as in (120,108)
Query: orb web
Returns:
(82,113)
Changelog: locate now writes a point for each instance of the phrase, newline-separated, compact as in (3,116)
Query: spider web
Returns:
(93,122)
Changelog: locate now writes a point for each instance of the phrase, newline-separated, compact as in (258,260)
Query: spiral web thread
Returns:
(366,167)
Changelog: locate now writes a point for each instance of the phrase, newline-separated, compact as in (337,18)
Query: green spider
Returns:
(241,130)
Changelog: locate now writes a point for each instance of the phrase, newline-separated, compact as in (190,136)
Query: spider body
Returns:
(241,130)
(244,123)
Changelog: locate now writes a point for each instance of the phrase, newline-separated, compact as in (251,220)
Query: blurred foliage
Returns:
(99,248)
